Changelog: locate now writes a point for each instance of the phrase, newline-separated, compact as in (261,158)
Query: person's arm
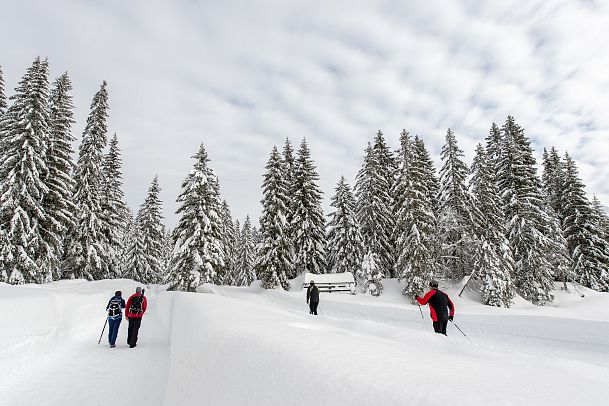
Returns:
(308,294)
(451,306)
(426,298)
(108,305)
(144,305)
(122,303)
(127,306)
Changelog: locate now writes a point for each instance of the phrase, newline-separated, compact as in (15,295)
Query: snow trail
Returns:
(75,370)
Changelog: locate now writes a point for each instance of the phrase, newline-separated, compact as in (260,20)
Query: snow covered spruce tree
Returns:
(373,197)
(493,262)
(454,232)
(308,223)
(127,237)
(246,255)
(113,205)
(25,137)
(57,203)
(3,104)
(589,251)
(345,244)
(369,276)
(416,224)
(432,183)
(167,255)
(289,166)
(528,224)
(198,241)
(87,254)
(553,179)
(146,249)
(601,218)
(274,253)
(230,236)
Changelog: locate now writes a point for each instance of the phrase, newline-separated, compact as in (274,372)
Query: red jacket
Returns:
(128,307)
(439,303)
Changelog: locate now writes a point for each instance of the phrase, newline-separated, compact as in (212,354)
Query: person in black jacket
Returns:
(439,306)
(313,298)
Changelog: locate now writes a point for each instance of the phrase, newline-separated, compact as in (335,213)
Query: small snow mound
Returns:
(206,288)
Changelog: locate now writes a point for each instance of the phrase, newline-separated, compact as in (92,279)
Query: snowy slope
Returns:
(245,346)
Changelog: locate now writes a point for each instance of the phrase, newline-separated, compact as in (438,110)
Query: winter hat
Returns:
(118,293)
(312,282)
(138,290)
(433,283)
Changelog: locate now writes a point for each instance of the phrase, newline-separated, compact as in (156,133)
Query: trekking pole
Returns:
(464,335)
(102,333)
(421,310)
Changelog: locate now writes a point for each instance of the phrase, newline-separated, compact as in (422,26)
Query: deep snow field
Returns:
(245,346)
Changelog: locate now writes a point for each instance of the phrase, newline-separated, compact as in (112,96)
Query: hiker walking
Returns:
(136,307)
(313,298)
(439,305)
(115,316)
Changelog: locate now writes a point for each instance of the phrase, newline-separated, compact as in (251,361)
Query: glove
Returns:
(307,302)
(450,318)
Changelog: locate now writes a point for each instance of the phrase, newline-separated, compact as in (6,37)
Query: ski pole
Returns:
(421,310)
(464,335)
(102,333)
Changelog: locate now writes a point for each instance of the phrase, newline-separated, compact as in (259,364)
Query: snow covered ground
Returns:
(245,346)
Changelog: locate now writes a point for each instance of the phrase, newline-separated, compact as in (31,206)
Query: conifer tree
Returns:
(3,104)
(308,223)
(57,203)
(493,258)
(167,255)
(273,253)
(415,220)
(230,235)
(113,205)
(374,203)
(601,217)
(198,242)
(431,180)
(589,251)
(455,223)
(152,234)
(127,237)
(289,166)
(87,254)
(553,179)
(136,254)
(493,145)
(345,244)
(25,137)
(246,256)
(528,224)
(369,276)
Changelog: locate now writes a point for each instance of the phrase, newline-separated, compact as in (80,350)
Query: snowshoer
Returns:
(439,305)
(136,307)
(312,298)
(115,316)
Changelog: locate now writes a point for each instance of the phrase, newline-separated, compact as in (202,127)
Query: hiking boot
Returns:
(112,345)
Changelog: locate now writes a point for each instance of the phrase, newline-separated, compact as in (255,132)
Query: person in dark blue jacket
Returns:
(115,315)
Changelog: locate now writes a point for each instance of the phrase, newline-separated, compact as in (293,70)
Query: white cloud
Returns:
(242,76)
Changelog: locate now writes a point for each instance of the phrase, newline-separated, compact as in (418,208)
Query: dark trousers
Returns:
(313,308)
(440,326)
(113,325)
(134,327)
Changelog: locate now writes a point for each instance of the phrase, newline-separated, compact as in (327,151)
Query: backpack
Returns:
(136,305)
(114,307)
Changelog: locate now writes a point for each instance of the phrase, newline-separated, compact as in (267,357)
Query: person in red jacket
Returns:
(439,306)
(136,307)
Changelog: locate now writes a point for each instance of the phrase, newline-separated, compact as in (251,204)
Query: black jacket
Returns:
(313,294)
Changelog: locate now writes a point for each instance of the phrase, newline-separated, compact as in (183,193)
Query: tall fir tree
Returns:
(369,276)
(3,104)
(167,255)
(246,255)
(230,235)
(601,217)
(553,179)
(454,219)
(57,203)
(87,254)
(528,224)
(274,260)
(152,232)
(345,243)
(289,166)
(589,251)
(308,224)
(493,258)
(136,255)
(416,222)
(25,137)
(113,205)
(431,180)
(373,187)
(198,250)
(128,235)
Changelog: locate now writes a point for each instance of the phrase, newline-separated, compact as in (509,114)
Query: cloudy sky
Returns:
(241,76)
